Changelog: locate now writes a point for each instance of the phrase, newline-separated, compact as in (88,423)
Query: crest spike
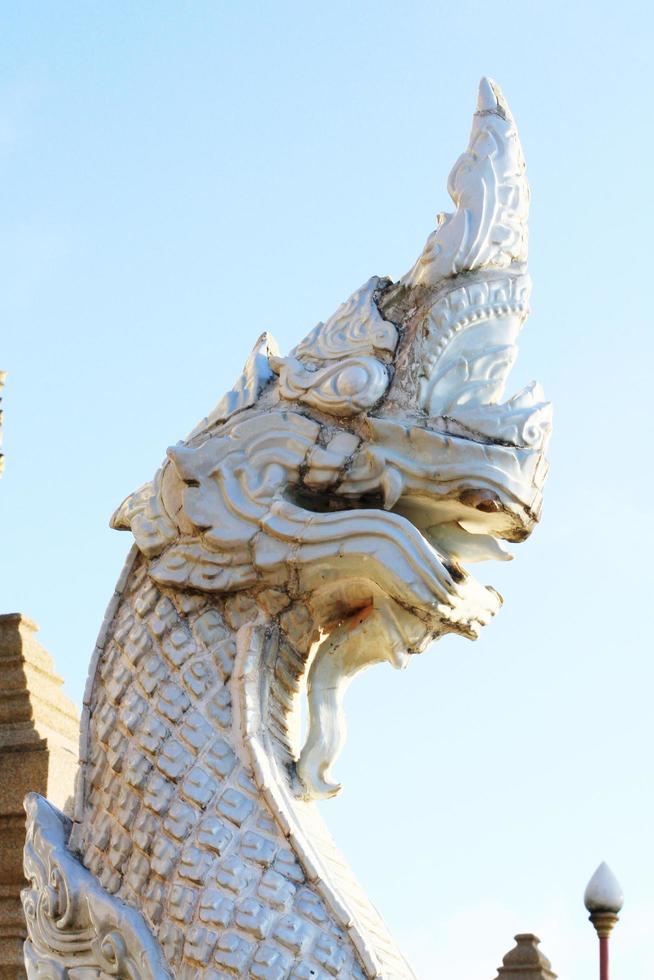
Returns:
(491,99)
(488,229)
(486,99)
(247,389)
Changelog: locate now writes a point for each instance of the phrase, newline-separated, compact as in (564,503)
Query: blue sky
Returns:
(178,177)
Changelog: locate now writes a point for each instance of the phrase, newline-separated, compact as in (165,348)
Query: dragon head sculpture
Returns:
(360,475)
(321,519)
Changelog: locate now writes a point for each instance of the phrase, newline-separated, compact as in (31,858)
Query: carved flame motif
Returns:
(340,368)
(491,194)
(318,521)
(77,930)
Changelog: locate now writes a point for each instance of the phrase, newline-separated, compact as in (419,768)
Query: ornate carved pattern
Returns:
(340,367)
(183,831)
(256,374)
(317,522)
(76,929)
(490,190)
(342,389)
(357,328)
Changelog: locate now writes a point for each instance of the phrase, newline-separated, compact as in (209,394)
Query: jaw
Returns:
(453,487)
(374,612)
(452,500)
(463,496)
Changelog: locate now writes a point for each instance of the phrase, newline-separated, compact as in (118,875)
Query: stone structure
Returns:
(317,521)
(39,729)
(3,375)
(525,961)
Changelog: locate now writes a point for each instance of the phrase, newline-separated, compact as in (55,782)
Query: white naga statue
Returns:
(319,520)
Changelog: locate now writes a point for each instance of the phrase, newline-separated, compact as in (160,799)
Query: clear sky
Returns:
(178,177)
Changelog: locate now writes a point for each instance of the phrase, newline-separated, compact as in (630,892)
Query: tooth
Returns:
(182,459)
(537,389)
(392,485)
(531,395)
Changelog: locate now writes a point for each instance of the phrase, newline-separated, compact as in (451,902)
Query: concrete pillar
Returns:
(525,961)
(39,731)
(3,375)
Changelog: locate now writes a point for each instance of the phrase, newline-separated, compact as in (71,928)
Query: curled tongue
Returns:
(369,637)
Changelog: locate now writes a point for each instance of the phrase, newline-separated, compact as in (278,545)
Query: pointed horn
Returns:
(489,188)
(491,99)
(486,99)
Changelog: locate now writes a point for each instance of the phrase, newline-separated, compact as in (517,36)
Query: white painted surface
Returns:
(315,523)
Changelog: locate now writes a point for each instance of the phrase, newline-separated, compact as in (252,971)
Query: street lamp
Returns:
(603,898)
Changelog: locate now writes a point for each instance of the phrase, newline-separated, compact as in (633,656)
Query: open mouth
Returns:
(463,469)
(453,531)
(462,493)
(464,466)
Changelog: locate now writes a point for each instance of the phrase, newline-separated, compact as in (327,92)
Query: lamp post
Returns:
(603,898)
